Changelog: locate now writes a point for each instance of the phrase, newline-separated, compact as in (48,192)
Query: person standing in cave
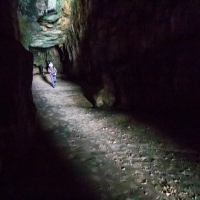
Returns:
(52,72)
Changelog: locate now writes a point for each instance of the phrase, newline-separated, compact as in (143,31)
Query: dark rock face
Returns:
(150,49)
(18,113)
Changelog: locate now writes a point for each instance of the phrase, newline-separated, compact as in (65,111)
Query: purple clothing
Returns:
(52,72)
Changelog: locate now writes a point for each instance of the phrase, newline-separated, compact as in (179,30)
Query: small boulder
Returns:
(104,98)
(49,25)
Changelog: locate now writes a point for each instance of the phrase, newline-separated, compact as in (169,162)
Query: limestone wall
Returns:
(150,48)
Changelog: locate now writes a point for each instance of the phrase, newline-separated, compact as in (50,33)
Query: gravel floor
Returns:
(88,153)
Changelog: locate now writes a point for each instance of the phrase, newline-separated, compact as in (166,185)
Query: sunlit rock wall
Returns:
(150,48)
(42,23)
(17,111)
(42,27)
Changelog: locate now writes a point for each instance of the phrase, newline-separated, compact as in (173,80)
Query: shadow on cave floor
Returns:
(45,175)
(86,153)
(47,172)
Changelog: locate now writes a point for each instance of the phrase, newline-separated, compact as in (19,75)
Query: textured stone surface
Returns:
(28,13)
(49,18)
(151,49)
(43,31)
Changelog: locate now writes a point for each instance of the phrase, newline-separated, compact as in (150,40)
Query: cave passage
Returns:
(144,55)
(88,153)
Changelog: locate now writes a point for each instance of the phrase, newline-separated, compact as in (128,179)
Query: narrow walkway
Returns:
(87,153)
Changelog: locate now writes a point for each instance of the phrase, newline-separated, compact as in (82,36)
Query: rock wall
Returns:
(42,27)
(28,14)
(42,56)
(17,111)
(41,23)
(150,49)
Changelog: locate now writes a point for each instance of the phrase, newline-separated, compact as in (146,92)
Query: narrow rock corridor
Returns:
(86,153)
(139,60)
